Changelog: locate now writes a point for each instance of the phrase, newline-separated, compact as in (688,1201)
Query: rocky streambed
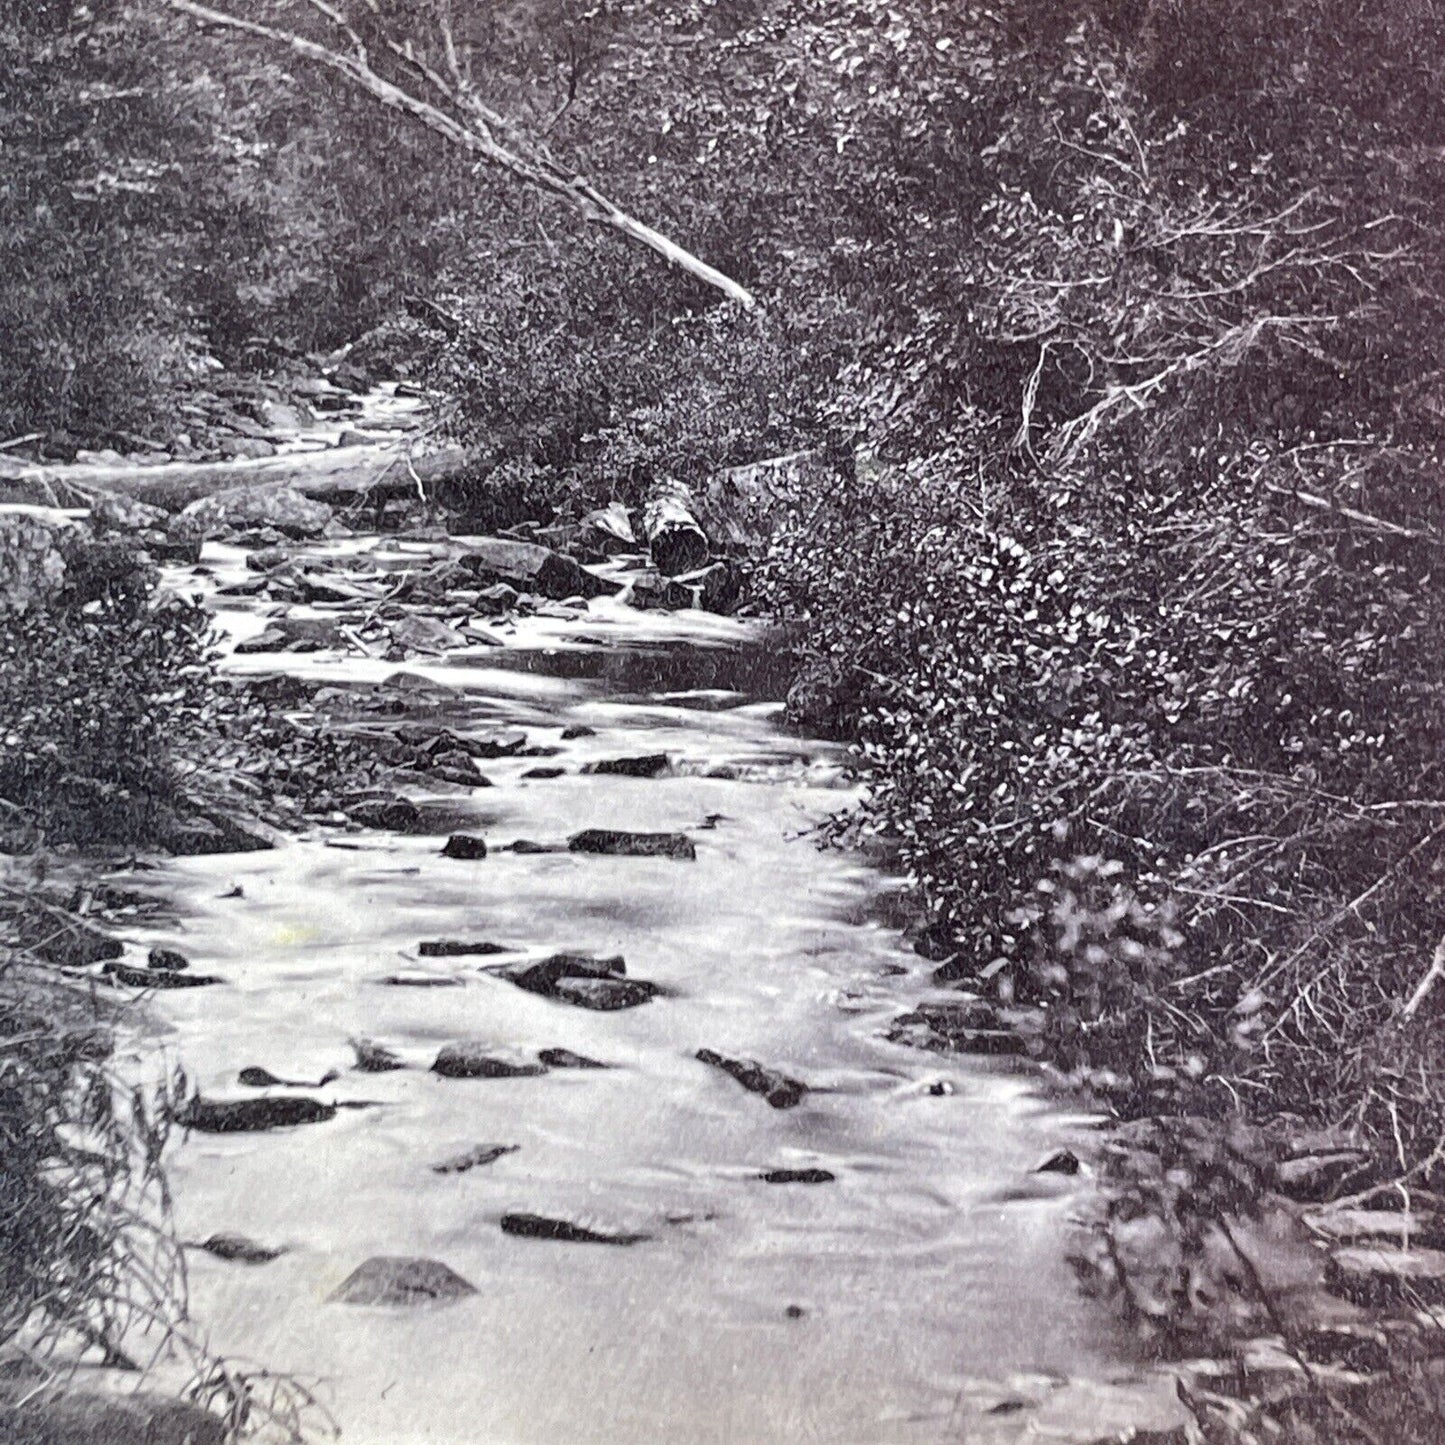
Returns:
(553,1097)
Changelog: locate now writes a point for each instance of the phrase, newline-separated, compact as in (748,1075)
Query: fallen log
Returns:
(672,531)
(338,475)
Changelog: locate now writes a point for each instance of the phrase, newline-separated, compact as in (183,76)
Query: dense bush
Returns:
(1139,588)
(105,694)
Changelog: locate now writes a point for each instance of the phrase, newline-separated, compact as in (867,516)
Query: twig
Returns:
(1432,976)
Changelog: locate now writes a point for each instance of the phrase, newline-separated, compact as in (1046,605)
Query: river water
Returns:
(922,1296)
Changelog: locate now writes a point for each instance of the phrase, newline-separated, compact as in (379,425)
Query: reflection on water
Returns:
(894,1303)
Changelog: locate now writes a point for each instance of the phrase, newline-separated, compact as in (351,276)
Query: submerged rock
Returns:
(543,977)
(458,948)
(577,730)
(538,1226)
(798,1176)
(649,766)
(471,1060)
(544,775)
(632,845)
(399,1280)
(466,846)
(528,847)
(374,1058)
(244,1116)
(474,1158)
(778,1089)
(239,1249)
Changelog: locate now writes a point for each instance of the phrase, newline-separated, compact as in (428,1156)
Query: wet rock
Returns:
(398,1280)
(79,1417)
(579,730)
(258,1078)
(159,978)
(537,1226)
(497,600)
(532,568)
(797,1176)
(653,593)
(604,995)
(795,1312)
(458,948)
(778,1089)
(394,815)
(244,1116)
(466,846)
(544,775)
(167,958)
(528,847)
(293,634)
(205,837)
(1061,1161)
(719,587)
(474,1158)
(425,635)
(505,743)
(473,1060)
(282,508)
(238,1249)
(1382,1277)
(268,559)
(374,1058)
(459,763)
(544,976)
(419,980)
(632,845)
(650,766)
(566,1059)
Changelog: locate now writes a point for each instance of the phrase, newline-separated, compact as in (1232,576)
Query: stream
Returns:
(922,1294)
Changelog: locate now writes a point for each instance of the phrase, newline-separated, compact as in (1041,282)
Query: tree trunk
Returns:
(673,533)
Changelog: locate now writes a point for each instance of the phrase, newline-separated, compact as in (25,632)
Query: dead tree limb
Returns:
(477,134)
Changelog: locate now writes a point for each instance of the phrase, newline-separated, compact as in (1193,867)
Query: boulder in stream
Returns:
(245,1116)
(651,765)
(466,846)
(539,1226)
(242,508)
(797,1176)
(168,959)
(472,1059)
(544,775)
(400,1280)
(394,814)
(577,730)
(778,1089)
(532,568)
(618,844)
(474,1158)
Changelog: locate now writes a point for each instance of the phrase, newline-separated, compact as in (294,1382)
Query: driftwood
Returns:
(339,476)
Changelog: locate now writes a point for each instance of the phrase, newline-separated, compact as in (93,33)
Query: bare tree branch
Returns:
(477,135)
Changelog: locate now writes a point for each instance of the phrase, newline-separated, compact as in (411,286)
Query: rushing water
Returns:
(918,1297)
